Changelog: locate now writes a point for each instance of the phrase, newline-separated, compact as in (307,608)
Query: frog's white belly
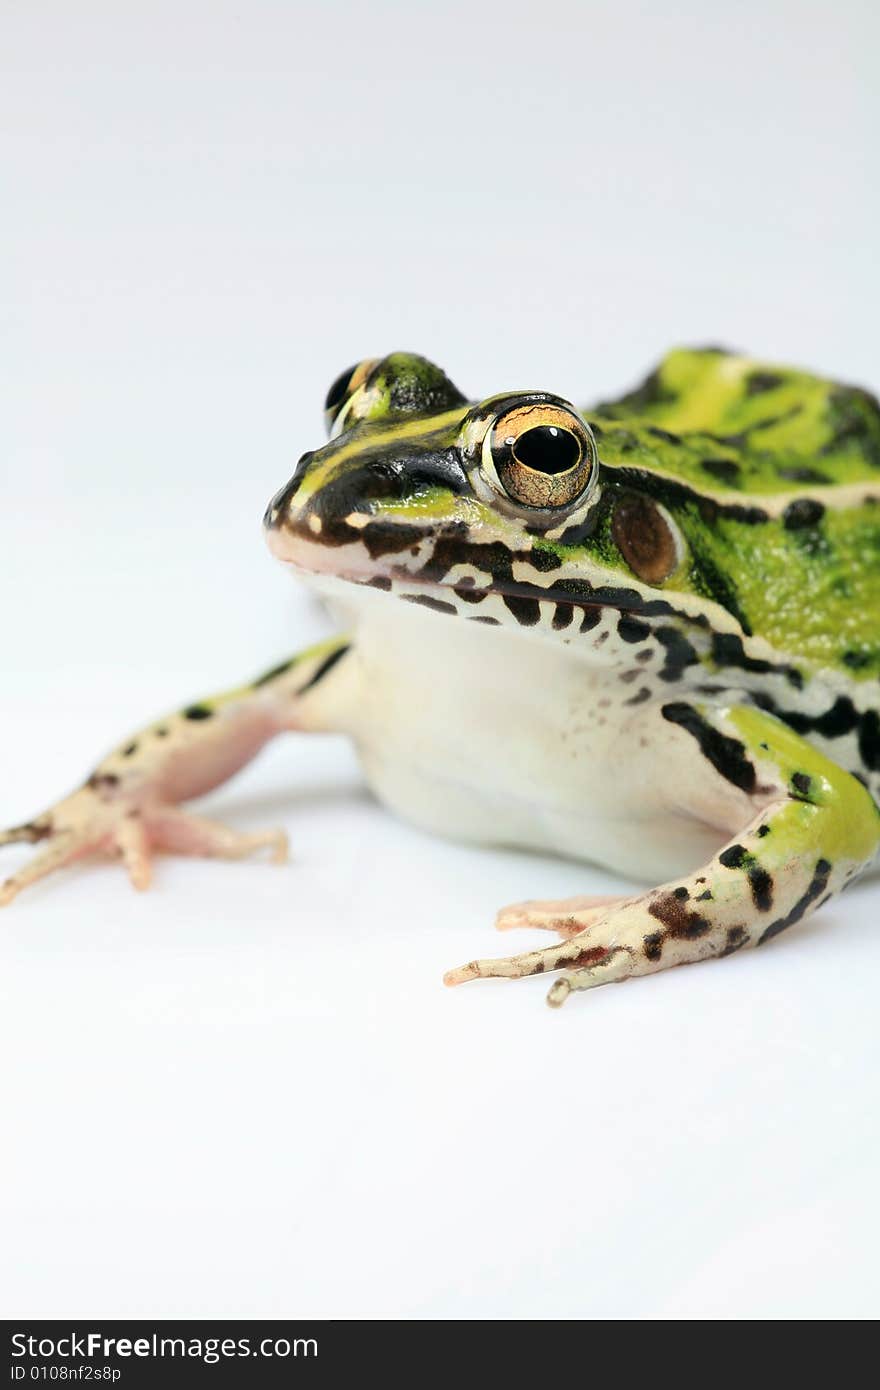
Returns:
(489,736)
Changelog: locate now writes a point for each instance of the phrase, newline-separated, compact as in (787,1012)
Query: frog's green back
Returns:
(745,426)
(773,476)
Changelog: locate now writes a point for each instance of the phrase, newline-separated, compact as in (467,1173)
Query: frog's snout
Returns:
(329,507)
(281,508)
(368,505)
(325,518)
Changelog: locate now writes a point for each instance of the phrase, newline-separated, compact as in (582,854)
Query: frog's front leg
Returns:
(813,828)
(130,804)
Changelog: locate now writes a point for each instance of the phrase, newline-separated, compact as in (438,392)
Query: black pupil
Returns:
(336,394)
(547,449)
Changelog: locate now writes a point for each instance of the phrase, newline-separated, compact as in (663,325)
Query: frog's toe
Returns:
(567,916)
(617,965)
(180,832)
(63,849)
(29,833)
(575,951)
(86,824)
(133,843)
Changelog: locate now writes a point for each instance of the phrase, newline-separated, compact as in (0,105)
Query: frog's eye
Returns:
(341,392)
(542,454)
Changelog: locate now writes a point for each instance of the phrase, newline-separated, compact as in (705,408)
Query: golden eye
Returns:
(542,454)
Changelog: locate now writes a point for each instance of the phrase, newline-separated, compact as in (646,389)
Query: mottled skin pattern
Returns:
(693,569)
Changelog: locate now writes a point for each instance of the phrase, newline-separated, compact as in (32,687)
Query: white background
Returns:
(246,1093)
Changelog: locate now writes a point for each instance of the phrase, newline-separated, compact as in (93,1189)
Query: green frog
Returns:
(646,635)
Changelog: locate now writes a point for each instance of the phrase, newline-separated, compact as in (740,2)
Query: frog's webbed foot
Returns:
(814,827)
(565,916)
(94,821)
(130,805)
(180,832)
(592,951)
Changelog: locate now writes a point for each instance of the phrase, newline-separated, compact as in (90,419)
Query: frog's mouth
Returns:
(418,575)
(464,564)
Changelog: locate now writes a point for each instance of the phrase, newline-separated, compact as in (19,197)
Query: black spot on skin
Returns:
(640,697)
(272,675)
(590,956)
(758,382)
(483,618)
(645,654)
(527,611)
(197,712)
(705,896)
(592,618)
(804,511)
(33,831)
(802,784)
(681,893)
(761,885)
(803,475)
(857,660)
(840,719)
(129,750)
(728,651)
(725,470)
(386,537)
(727,755)
(437,605)
(563,616)
(816,889)
(326,665)
(379,581)
(544,560)
(469,594)
(679,653)
(734,857)
(762,831)
(736,938)
(869,740)
(161,732)
(654,945)
(103,781)
(680,922)
(632,629)
(666,435)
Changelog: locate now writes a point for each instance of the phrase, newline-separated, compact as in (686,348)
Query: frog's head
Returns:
(493,510)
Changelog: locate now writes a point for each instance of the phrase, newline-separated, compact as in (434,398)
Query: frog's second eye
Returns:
(341,392)
(338,391)
(542,454)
